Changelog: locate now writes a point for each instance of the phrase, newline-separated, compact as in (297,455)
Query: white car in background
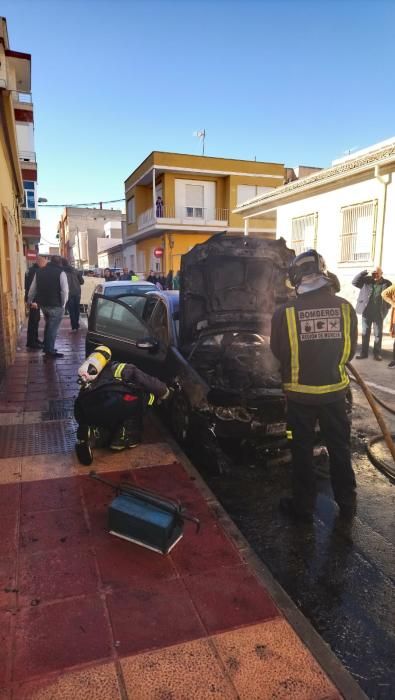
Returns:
(129,292)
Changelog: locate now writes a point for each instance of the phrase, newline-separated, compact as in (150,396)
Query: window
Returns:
(194,201)
(158,324)
(358,234)
(304,233)
(131,210)
(30,202)
(112,318)
(245,192)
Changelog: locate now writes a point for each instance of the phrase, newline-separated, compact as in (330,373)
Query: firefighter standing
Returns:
(109,408)
(313,336)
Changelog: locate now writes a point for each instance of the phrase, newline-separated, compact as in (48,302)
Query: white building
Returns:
(346,212)
(79,230)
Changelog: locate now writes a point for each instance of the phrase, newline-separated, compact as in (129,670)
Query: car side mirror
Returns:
(148,344)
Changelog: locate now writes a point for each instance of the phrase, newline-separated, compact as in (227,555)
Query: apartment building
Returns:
(346,211)
(174,201)
(79,230)
(14,77)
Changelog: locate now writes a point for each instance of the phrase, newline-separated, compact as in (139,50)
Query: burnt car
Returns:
(212,342)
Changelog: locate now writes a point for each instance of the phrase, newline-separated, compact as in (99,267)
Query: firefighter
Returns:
(110,405)
(313,336)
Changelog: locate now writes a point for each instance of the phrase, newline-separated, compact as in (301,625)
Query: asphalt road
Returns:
(341,577)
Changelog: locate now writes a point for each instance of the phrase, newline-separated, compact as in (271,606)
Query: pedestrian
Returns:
(125,276)
(75,280)
(49,290)
(109,408)
(159,207)
(389,297)
(373,309)
(133,276)
(169,280)
(108,275)
(176,280)
(313,336)
(152,277)
(32,340)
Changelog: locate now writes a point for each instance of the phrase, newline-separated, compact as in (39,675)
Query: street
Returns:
(341,577)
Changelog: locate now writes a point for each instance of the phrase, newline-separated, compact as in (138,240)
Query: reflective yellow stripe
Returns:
(151,399)
(119,370)
(324,389)
(293,344)
(347,341)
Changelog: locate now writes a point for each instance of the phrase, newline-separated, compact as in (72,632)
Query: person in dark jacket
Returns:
(108,275)
(49,290)
(313,336)
(75,280)
(152,277)
(373,309)
(126,275)
(32,340)
(109,410)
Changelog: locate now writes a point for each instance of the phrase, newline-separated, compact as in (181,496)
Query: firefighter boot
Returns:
(128,435)
(83,445)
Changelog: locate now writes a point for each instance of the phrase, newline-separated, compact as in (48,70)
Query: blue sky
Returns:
(286,81)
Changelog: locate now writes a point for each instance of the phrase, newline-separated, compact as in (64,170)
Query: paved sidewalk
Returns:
(84,615)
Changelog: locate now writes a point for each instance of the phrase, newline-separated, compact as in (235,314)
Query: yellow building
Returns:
(174,201)
(12,261)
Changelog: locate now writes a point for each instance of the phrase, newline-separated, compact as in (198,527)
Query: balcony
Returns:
(182,216)
(22,97)
(28,213)
(27,156)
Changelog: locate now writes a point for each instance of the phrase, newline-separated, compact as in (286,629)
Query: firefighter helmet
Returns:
(307,263)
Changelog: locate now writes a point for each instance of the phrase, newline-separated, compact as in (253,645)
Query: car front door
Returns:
(115,324)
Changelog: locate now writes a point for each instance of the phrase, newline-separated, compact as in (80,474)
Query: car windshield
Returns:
(118,290)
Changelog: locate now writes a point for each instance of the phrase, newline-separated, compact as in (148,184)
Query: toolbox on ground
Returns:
(145,518)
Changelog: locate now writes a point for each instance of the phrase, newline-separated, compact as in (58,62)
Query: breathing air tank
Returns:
(94,364)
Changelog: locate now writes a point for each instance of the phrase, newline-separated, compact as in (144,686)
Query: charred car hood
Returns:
(232,281)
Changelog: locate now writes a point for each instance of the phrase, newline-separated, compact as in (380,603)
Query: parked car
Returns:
(121,288)
(211,339)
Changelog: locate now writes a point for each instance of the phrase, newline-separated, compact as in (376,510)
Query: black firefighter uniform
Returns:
(313,337)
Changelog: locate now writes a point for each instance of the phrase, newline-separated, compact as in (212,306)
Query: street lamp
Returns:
(41,200)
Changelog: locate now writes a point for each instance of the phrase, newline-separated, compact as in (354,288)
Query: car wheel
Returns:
(180,418)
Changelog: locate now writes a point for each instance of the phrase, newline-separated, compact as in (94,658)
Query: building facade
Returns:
(347,212)
(14,77)
(174,201)
(80,228)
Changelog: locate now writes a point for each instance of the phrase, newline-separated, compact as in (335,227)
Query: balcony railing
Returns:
(201,216)
(28,213)
(28,156)
(25,97)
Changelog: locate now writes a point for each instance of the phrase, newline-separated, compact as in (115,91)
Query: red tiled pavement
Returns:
(56,574)
(227,598)
(50,529)
(59,635)
(73,599)
(154,615)
(121,565)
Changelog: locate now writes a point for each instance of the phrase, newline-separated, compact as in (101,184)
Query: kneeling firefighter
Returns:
(110,405)
(313,336)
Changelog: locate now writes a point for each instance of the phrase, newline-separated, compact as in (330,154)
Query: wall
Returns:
(328,205)
(12,265)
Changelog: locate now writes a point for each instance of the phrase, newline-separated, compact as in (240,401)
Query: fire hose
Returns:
(373,400)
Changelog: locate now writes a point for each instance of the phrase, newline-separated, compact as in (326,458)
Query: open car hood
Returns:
(232,281)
